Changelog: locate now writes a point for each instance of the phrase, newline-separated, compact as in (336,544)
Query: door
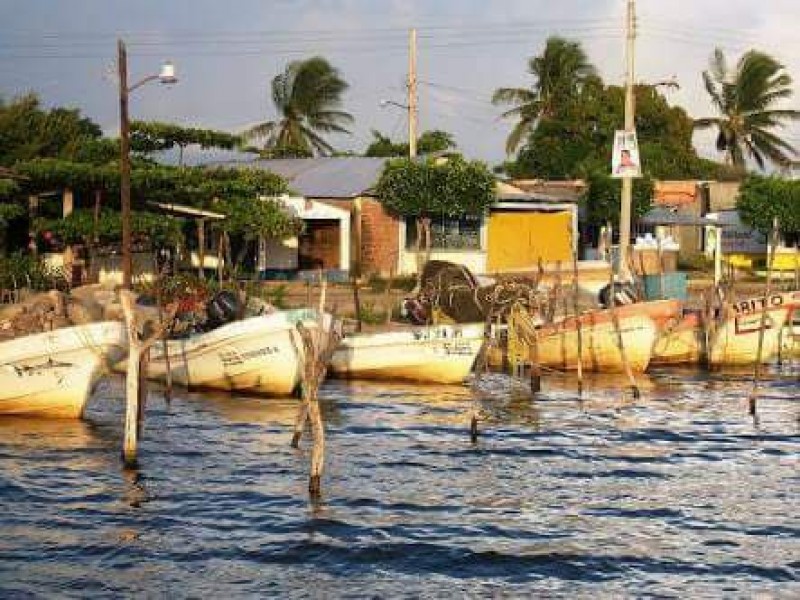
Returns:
(318,245)
(518,239)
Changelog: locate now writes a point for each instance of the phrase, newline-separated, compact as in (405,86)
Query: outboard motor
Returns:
(624,293)
(223,308)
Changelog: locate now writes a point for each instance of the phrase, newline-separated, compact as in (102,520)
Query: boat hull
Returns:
(736,340)
(681,344)
(438,354)
(557,344)
(260,355)
(54,390)
(52,374)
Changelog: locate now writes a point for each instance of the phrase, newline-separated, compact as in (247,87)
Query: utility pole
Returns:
(125,164)
(630,126)
(412,93)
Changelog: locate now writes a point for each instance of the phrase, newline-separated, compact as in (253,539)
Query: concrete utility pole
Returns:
(630,126)
(412,93)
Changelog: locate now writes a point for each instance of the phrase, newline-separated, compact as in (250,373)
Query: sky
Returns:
(226,53)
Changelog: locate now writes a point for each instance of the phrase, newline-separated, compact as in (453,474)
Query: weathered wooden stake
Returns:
(319,344)
(136,377)
(763,323)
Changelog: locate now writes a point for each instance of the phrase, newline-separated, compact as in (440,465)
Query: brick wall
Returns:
(380,235)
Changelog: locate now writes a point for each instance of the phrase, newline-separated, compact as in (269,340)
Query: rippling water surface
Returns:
(677,494)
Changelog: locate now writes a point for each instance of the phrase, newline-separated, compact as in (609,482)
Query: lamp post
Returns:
(166,76)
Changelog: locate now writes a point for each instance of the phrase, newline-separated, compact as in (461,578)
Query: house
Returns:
(326,191)
(520,230)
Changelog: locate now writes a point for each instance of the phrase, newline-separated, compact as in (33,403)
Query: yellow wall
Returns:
(517,239)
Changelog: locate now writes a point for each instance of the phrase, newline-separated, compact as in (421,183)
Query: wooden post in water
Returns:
(763,322)
(136,377)
(618,332)
(319,344)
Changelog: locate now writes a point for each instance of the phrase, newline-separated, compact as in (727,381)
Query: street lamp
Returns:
(165,76)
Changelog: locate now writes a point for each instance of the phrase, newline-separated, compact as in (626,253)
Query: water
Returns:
(677,494)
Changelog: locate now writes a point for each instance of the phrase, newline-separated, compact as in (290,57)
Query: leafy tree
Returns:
(28,131)
(430,142)
(149,229)
(249,219)
(561,71)
(577,139)
(148,137)
(602,199)
(761,199)
(307,96)
(745,99)
(424,188)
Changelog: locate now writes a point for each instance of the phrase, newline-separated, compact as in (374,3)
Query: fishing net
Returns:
(456,292)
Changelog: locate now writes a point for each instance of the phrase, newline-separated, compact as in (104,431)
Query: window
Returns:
(448,233)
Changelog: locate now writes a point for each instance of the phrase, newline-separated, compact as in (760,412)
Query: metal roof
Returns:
(328,177)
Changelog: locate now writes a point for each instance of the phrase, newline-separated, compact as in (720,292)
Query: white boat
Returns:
(52,374)
(260,355)
(736,340)
(433,354)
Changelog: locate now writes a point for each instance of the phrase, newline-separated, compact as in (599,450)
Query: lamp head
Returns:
(167,74)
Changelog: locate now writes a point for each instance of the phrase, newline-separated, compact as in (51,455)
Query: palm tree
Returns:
(307,96)
(745,99)
(560,72)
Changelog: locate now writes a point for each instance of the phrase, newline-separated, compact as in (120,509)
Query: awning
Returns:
(665,216)
(187,211)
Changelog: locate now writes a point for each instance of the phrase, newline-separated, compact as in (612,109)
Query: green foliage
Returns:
(307,96)
(561,72)
(9,211)
(251,218)
(450,187)
(8,188)
(745,99)
(152,229)
(761,199)
(369,314)
(430,142)
(577,138)
(602,198)
(28,131)
(22,270)
(276,295)
(148,137)
(195,186)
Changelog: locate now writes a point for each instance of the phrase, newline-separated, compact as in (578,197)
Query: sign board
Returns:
(625,157)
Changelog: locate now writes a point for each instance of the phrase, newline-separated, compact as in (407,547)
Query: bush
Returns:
(20,270)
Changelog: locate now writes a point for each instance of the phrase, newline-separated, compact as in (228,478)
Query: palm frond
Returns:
(513,96)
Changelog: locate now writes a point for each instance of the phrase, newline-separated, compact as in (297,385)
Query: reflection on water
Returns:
(677,493)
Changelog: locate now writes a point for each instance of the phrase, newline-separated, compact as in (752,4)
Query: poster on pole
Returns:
(625,158)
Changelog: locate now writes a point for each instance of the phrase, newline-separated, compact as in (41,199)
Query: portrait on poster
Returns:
(625,158)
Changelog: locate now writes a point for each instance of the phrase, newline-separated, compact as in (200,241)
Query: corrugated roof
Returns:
(328,177)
